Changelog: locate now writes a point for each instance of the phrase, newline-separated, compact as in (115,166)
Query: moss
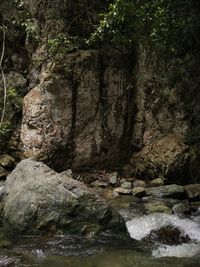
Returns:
(13,107)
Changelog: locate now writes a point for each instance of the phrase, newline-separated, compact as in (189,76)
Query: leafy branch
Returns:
(166,23)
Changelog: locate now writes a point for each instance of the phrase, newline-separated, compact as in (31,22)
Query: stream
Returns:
(76,251)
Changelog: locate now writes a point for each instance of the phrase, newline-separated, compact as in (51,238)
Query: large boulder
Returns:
(167,156)
(39,200)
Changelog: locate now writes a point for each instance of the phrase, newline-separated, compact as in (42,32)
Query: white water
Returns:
(141,227)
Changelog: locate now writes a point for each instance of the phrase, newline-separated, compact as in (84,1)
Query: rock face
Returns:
(98,107)
(85,108)
(39,200)
(167,112)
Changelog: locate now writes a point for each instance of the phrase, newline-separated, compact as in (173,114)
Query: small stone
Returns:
(156,182)
(122,191)
(157,206)
(115,194)
(113,178)
(68,173)
(7,161)
(181,209)
(126,185)
(107,194)
(139,191)
(139,183)
(192,191)
(98,183)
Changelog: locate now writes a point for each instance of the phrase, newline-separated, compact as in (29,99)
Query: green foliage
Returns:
(14,104)
(166,23)
(62,44)
(5,130)
(14,99)
(116,24)
(31,29)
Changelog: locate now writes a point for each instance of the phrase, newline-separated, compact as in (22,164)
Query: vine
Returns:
(3,76)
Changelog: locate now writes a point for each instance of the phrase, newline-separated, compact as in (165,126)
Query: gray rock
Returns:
(113,178)
(192,191)
(37,200)
(126,185)
(139,183)
(122,191)
(139,191)
(168,191)
(181,209)
(7,161)
(98,183)
(156,182)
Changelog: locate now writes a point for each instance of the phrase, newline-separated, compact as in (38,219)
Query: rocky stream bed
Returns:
(53,219)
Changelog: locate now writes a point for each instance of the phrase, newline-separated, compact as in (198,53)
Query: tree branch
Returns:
(3,76)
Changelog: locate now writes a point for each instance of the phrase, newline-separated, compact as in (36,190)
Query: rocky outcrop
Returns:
(37,200)
(163,123)
(78,112)
(97,107)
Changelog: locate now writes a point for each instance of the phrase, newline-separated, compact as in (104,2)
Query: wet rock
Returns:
(126,185)
(167,191)
(107,194)
(139,183)
(98,183)
(181,209)
(122,191)
(168,235)
(157,182)
(157,206)
(113,178)
(7,262)
(39,200)
(7,161)
(192,191)
(139,192)
(195,207)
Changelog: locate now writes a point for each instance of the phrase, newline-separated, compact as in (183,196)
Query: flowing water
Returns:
(73,251)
